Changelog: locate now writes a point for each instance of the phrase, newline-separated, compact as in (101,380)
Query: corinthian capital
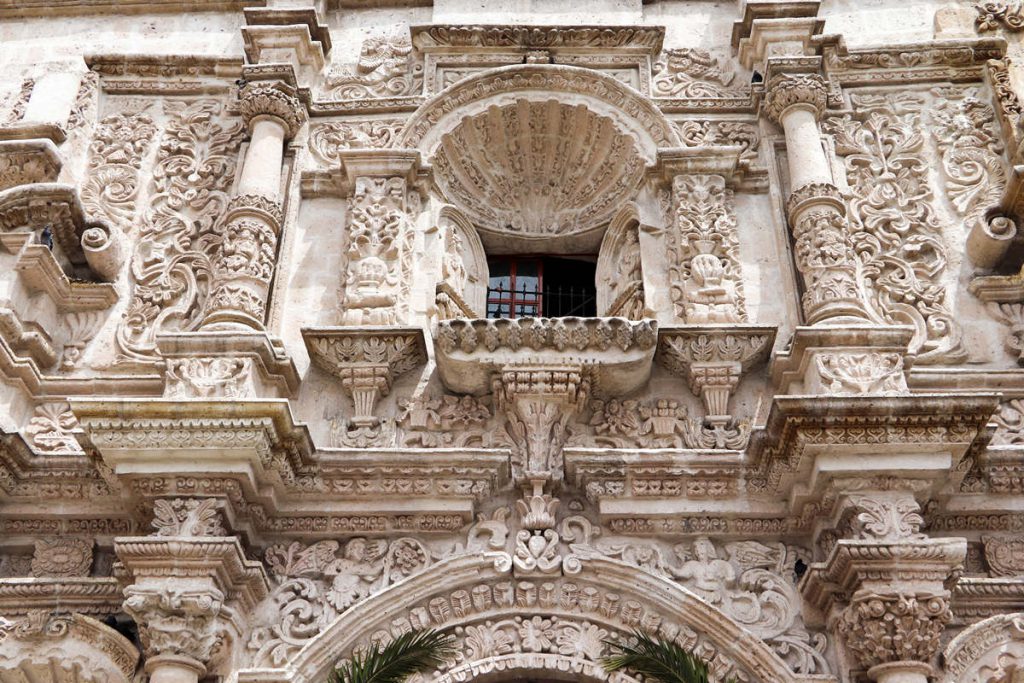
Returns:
(272,99)
(890,630)
(176,620)
(787,90)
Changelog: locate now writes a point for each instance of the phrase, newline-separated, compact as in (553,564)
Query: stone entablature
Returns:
(254,416)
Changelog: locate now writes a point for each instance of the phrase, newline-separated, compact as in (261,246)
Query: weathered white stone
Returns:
(251,407)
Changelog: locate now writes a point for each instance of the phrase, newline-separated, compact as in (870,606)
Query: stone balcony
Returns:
(616,353)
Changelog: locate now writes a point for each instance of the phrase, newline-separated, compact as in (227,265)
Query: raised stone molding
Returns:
(987,651)
(498,596)
(97,597)
(800,429)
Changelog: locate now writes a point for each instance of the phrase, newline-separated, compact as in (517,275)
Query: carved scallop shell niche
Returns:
(531,172)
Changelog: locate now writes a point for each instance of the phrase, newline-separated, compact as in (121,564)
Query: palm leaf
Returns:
(408,654)
(656,659)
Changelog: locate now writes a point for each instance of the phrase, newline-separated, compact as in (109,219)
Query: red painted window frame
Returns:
(514,297)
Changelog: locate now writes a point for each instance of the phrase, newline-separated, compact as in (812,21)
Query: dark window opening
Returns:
(540,286)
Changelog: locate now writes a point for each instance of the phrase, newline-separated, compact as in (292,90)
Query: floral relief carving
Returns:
(62,557)
(447,421)
(750,581)
(218,377)
(660,423)
(883,628)
(187,517)
(901,258)
(379,251)
(179,622)
(886,516)
(1004,554)
(52,429)
(969,138)
(862,373)
(328,139)
(171,270)
(317,582)
(81,327)
(559,334)
(388,67)
(1007,14)
(795,89)
(692,73)
(1009,421)
(707,133)
(119,145)
(704,269)
(15,104)
(1011,315)
(27,165)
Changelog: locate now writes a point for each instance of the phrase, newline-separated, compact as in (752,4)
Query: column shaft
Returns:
(817,214)
(807,160)
(261,171)
(244,254)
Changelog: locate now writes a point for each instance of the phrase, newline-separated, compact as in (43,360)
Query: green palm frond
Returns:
(408,654)
(656,659)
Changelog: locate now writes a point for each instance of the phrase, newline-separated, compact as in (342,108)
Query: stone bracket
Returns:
(713,358)
(226,364)
(367,360)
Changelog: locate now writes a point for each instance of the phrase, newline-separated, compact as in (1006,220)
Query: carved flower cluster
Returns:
(890,628)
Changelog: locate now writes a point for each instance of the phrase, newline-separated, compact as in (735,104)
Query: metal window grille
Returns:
(515,295)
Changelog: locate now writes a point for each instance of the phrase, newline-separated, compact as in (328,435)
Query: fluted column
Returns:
(817,213)
(244,248)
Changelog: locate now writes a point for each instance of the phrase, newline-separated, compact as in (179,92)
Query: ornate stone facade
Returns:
(255,417)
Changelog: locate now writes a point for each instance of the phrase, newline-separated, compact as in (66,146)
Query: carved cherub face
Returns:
(704,550)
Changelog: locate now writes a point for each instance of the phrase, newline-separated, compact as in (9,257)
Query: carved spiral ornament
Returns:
(538,169)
